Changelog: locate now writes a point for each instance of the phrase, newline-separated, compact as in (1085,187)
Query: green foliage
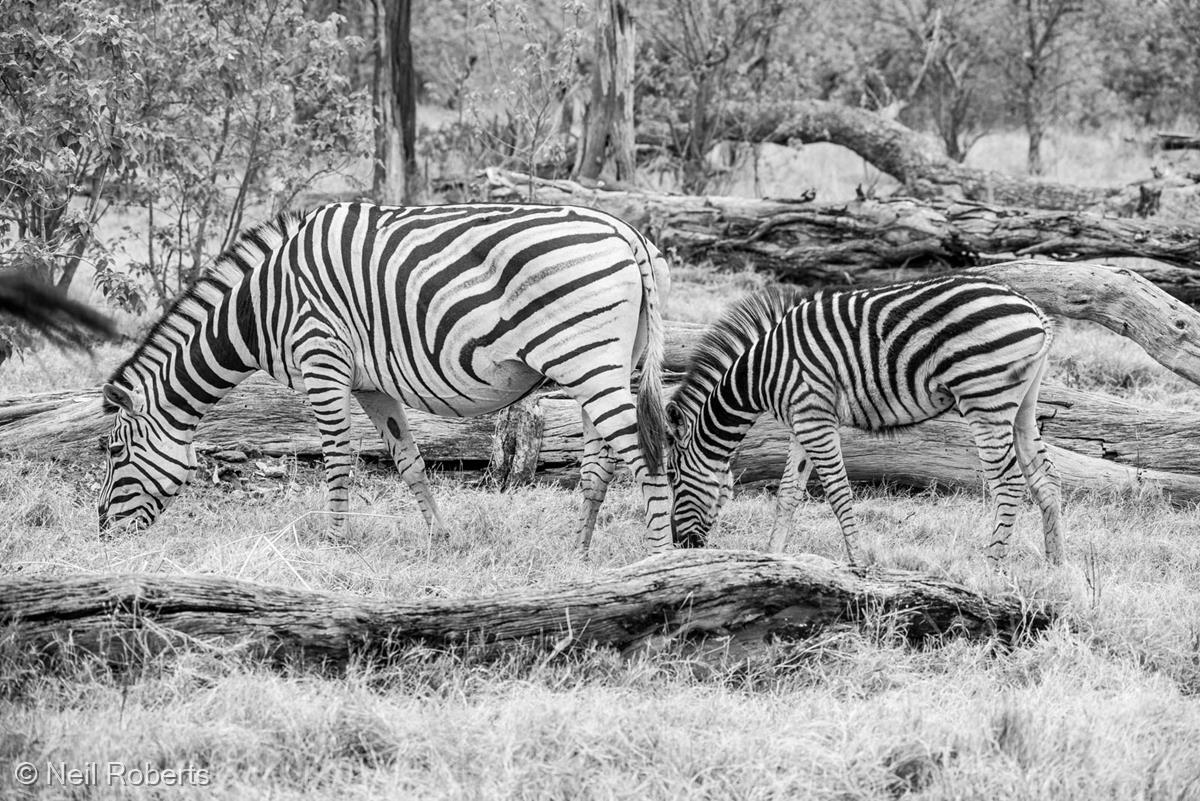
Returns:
(194,111)
(243,104)
(699,58)
(69,89)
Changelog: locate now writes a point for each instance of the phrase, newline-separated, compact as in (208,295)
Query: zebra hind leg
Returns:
(389,418)
(609,403)
(594,476)
(791,490)
(992,426)
(1039,471)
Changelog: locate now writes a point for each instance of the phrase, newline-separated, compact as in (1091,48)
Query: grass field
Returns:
(1104,706)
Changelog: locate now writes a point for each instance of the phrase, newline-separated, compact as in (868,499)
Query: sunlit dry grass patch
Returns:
(1105,705)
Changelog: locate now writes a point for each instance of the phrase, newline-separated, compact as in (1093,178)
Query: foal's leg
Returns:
(387,414)
(817,433)
(991,416)
(1039,471)
(791,490)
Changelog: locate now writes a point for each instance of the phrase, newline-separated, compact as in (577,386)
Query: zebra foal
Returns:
(455,310)
(878,358)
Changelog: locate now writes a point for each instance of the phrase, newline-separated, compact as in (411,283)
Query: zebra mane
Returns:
(209,289)
(738,328)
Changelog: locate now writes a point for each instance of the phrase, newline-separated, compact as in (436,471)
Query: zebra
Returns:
(878,358)
(456,310)
(65,322)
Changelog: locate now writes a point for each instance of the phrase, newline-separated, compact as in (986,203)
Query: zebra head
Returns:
(700,486)
(148,461)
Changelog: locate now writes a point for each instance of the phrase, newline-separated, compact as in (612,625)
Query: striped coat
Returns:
(879,359)
(455,310)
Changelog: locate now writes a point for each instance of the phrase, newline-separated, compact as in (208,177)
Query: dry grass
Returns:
(1105,706)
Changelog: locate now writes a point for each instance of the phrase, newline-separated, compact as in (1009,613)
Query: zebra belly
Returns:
(500,384)
(886,414)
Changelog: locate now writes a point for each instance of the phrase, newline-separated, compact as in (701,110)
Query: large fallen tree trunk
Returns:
(1098,442)
(922,168)
(740,598)
(872,240)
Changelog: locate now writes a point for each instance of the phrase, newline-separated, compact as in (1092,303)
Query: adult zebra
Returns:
(457,310)
(878,358)
(65,322)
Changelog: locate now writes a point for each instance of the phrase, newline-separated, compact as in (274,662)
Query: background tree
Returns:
(704,54)
(1038,50)
(395,93)
(609,132)
(69,85)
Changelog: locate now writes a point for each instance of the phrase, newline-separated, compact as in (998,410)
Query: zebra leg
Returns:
(993,431)
(610,407)
(819,439)
(725,492)
(326,373)
(1039,471)
(389,418)
(791,489)
(594,476)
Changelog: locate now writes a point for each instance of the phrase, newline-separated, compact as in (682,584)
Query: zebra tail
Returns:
(652,418)
(1018,370)
(63,321)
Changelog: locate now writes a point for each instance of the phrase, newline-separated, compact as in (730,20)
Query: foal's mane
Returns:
(737,329)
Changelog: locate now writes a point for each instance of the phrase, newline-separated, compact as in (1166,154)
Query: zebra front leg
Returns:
(819,439)
(327,385)
(791,490)
(594,476)
(389,418)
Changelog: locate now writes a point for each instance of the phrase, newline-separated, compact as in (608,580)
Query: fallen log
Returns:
(871,241)
(923,169)
(736,598)
(1177,141)
(1098,442)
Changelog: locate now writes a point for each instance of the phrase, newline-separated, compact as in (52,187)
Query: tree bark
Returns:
(872,240)
(911,159)
(722,597)
(395,91)
(609,135)
(1097,442)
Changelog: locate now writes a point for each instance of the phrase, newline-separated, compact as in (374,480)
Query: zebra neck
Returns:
(185,374)
(723,422)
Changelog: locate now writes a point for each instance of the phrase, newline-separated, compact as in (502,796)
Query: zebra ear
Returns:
(680,428)
(119,397)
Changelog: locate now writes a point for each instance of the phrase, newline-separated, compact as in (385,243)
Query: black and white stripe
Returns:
(877,358)
(455,310)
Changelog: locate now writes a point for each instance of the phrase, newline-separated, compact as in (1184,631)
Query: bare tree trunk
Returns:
(609,137)
(711,602)
(395,103)
(1033,157)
